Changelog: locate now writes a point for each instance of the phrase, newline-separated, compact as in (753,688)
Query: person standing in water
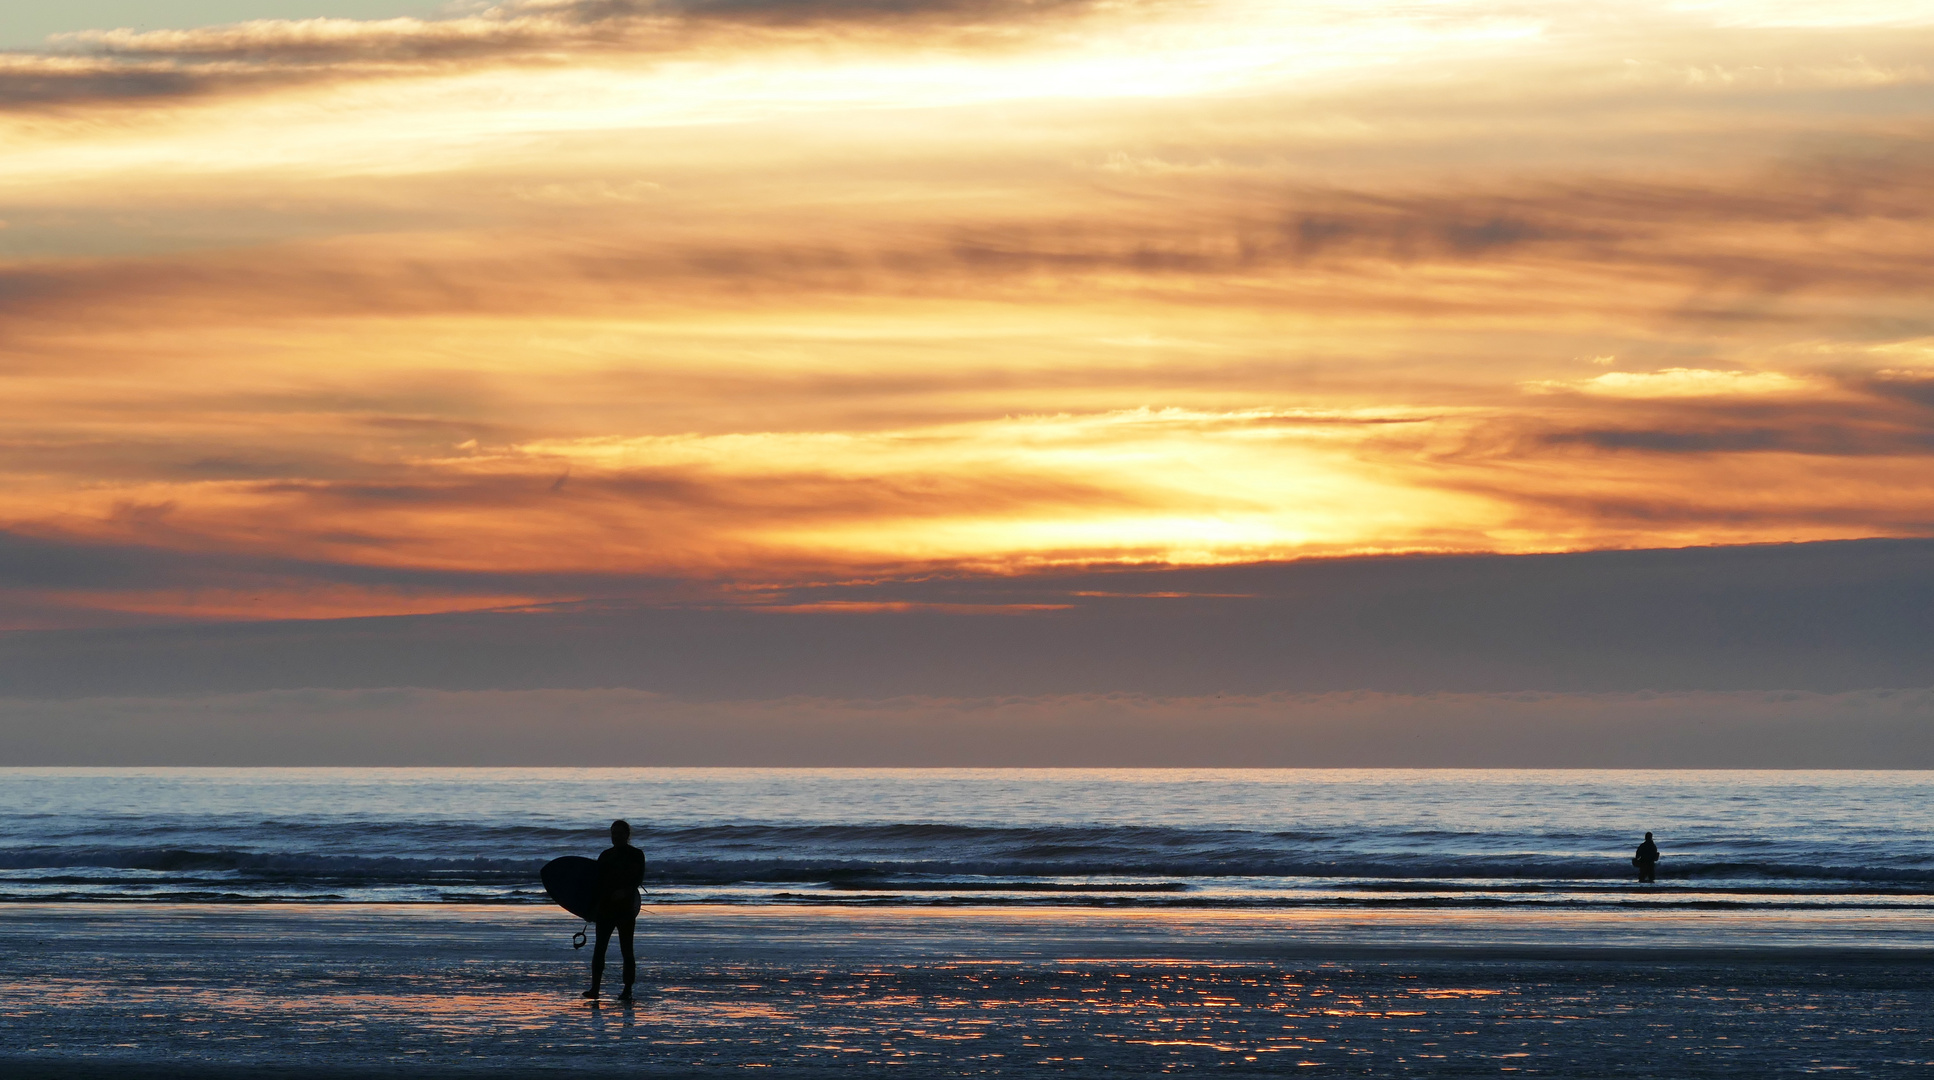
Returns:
(621,869)
(1646,859)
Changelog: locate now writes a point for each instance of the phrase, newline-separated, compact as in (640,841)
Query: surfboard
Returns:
(572,881)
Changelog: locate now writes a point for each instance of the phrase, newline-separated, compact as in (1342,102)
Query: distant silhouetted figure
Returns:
(1646,859)
(621,869)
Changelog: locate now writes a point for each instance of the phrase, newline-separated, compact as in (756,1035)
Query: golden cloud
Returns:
(793,291)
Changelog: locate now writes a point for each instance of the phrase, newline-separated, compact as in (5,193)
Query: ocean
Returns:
(930,837)
(349,924)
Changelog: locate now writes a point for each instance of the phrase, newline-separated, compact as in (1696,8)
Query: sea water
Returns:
(1116,837)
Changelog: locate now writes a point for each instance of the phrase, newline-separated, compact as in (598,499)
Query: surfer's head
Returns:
(620,832)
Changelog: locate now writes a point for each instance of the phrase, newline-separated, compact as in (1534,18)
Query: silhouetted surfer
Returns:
(621,869)
(1646,859)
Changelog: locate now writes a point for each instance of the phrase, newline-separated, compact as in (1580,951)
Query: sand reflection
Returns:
(802,990)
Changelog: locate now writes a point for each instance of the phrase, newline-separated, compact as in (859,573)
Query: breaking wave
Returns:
(758,837)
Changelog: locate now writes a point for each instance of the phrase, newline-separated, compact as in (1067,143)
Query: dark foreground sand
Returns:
(136,991)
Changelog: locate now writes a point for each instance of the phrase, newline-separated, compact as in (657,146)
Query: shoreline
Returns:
(986,929)
(738,933)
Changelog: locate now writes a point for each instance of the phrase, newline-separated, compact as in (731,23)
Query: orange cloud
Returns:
(727,291)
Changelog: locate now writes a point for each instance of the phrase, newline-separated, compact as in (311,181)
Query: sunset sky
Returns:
(327,308)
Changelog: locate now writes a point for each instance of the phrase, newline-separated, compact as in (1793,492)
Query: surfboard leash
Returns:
(578,939)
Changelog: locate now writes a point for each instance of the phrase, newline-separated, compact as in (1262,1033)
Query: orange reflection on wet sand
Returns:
(722,987)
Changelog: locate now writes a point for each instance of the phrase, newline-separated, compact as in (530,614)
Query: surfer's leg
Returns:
(625,929)
(597,958)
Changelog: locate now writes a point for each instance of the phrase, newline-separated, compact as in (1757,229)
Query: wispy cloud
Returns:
(130,67)
(1687,383)
(582,293)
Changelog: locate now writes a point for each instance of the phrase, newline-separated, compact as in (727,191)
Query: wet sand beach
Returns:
(421,990)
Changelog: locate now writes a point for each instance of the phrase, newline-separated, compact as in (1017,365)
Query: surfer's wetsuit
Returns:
(621,869)
(1646,858)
